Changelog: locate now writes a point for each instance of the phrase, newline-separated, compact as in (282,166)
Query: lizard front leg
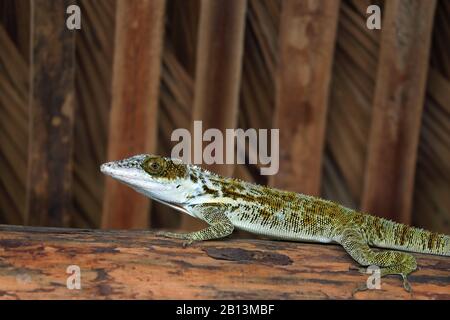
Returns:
(390,262)
(219,225)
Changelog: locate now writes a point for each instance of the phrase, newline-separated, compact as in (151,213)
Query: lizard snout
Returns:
(106,167)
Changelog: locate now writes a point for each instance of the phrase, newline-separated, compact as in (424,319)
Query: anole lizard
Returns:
(226,203)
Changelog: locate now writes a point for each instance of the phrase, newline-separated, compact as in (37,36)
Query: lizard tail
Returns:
(392,235)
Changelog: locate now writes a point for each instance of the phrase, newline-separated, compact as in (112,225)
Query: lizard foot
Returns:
(406,284)
(171,235)
(187,243)
(359,269)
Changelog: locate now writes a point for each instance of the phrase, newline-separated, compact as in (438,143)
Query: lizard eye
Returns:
(154,166)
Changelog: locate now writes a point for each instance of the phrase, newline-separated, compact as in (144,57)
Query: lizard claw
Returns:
(171,235)
(359,269)
(187,243)
(406,284)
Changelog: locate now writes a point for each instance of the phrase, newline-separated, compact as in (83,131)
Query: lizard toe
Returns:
(406,284)
(358,269)
(187,243)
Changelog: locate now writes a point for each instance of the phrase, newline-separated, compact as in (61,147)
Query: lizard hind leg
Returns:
(389,262)
(397,263)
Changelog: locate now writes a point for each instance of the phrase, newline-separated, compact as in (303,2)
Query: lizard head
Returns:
(159,178)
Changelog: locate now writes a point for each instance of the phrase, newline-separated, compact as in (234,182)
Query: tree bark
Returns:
(138,265)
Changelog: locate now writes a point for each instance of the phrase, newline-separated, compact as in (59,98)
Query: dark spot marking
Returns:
(231,193)
(429,279)
(186,265)
(237,254)
(210,191)
(193,177)
(6,293)
(432,239)
(403,232)
(175,273)
(105,250)
(326,281)
(12,243)
(442,265)
(101,275)
(57,284)
(104,289)
(235,295)
(42,290)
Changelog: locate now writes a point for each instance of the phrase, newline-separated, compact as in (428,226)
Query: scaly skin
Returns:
(226,203)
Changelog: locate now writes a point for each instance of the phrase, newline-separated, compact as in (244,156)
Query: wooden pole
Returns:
(397,108)
(51,115)
(14,96)
(133,118)
(218,71)
(306,46)
(219,61)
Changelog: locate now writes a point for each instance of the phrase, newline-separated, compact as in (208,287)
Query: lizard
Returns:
(227,203)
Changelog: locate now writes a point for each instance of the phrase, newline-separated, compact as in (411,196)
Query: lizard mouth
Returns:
(111,169)
(131,177)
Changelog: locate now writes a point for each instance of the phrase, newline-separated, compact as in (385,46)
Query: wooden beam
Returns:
(93,81)
(139,265)
(133,118)
(306,47)
(219,61)
(51,115)
(218,71)
(14,90)
(397,108)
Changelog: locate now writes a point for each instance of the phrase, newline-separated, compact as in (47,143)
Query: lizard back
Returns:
(292,216)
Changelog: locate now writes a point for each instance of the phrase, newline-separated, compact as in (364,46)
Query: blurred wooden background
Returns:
(363,114)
